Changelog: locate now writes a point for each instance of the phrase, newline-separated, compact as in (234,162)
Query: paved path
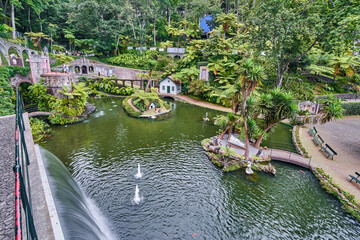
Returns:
(197,102)
(7,180)
(344,137)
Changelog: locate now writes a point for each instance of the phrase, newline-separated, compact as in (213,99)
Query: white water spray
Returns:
(137,195)
(139,174)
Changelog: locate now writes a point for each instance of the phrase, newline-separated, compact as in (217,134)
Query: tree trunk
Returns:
(13,21)
(154,33)
(51,41)
(117,45)
(169,19)
(246,154)
(258,141)
(29,19)
(147,89)
(40,22)
(223,133)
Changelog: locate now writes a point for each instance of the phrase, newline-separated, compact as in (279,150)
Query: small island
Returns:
(146,105)
(228,154)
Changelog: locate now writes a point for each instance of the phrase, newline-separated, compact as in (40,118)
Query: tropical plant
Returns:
(36,38)
(227,152)
(275,106)
(226,21)
(39,129)
(331,109)
(344,62)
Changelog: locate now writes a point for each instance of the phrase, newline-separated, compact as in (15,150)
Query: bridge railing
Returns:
(22,183)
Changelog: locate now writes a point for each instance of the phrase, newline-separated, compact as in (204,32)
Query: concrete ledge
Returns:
(54,218)
(46,222)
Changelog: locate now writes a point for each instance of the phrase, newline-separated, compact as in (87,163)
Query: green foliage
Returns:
(106,85)
(6,93)
(147,60)
(331,109)
(61,58)
(65,110)
(39,129)
(351,108)
(141,100)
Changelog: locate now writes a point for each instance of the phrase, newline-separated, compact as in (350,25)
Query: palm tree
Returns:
(276,105)
(226,123)
(250,76)
(226,20)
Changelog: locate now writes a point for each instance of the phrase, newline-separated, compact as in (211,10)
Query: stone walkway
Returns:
(7,179)
(238,150)
(344,137)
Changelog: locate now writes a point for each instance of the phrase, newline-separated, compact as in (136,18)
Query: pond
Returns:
(183,195)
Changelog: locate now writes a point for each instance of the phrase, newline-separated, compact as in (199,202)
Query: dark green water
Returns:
(183,196)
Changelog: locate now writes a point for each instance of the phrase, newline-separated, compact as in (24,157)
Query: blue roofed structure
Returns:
(204,25)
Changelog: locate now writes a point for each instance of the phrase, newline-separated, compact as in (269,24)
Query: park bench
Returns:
(312,131)
(355,178)
(329,151)
(318,140)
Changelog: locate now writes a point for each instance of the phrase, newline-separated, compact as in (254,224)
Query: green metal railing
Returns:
(22,196)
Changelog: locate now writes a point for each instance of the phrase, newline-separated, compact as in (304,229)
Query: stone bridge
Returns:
(5,46)
(288,157)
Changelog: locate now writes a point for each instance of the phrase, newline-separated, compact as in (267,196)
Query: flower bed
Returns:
(346,199)
(297,142)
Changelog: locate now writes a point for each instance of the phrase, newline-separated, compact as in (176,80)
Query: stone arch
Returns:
(77,69)
(14,50)
(15,56)
(168,97)
(84,69)
(24,81)
(91,68)
(26,58)
(3,54)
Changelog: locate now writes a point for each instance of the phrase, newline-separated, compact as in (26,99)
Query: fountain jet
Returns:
(137,195)
(139,174)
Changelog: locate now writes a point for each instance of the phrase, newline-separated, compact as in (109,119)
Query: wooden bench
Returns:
(355,178)
(329,151)
(318,140)
(312,131)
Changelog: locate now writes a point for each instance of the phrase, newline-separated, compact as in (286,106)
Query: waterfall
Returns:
(80,218)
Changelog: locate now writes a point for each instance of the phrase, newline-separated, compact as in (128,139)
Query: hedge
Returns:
(129,109)
(351,108)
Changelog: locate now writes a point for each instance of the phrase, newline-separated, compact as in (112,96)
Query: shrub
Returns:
(351,108)
(39,129)
(7,94)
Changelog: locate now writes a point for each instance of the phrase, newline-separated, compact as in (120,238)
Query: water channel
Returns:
(182,194)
